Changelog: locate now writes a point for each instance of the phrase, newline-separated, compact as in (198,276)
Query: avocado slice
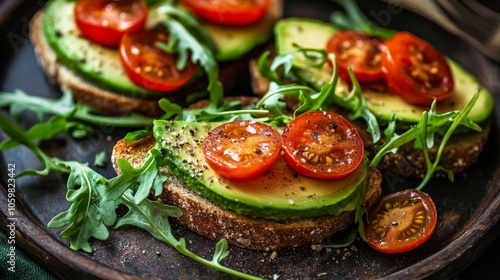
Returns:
(95,63)
(279,194)
(314,34)
(102,65)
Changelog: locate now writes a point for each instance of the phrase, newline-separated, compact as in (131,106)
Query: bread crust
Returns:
(210,220)
(460,153)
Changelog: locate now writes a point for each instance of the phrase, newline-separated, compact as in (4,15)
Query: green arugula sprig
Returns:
(423,134)
(94,199)
(309,99)
(153,217)
(189,38)
(76,119)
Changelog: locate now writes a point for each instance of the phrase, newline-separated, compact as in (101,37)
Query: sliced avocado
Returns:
(279,194)
(314,34)
(102,65)
(96,63)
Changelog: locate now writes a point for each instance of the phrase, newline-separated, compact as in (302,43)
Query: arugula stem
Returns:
(126,121)
(442,145)
(180,246)
(239,112)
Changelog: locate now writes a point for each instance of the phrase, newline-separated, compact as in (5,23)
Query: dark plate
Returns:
(469,208)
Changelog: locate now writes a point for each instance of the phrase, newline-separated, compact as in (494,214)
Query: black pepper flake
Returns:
(191,132)
(315,135)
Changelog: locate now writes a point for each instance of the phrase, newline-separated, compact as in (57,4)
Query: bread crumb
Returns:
(316,247)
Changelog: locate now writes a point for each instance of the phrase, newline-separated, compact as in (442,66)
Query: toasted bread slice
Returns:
(461,151)
(113,103)
(208,219)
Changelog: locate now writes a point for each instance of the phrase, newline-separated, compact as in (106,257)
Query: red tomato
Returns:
(415,70)
(401,221)
(105,21)
(322,145)
(241,150)
(229,12)
(358,51)
(150,67)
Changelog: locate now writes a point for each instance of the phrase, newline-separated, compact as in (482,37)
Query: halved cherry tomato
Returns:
(150,67)
(322,145)
(241,150)
(360,52)
(401,221)
(415,70)
(105,21)
(229,12)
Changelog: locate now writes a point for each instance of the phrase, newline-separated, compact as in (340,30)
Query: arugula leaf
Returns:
(188,37)
(356,102)
(309,99)
(101,159)
(86,216)
(40,131)
(142,180)
(93,200)
(16,132)
(19,101)
(153,217)
(423,135)
(354,19)
(461,118)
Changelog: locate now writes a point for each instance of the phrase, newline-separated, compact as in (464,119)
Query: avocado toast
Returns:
(461,151)
(277,210)
(95,75)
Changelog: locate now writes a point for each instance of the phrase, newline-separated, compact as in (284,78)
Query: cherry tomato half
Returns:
(322,145)
(150,67)
(360,52)
(241,150)
(401,221)
(229,12)
(415,70)
(105,21)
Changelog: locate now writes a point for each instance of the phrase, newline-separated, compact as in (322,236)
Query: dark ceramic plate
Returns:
(469,208)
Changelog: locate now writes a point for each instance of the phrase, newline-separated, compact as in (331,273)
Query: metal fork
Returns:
(467,19)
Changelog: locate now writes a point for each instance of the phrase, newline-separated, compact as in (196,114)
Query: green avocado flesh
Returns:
(102,65)
(279,194)
(309,33)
